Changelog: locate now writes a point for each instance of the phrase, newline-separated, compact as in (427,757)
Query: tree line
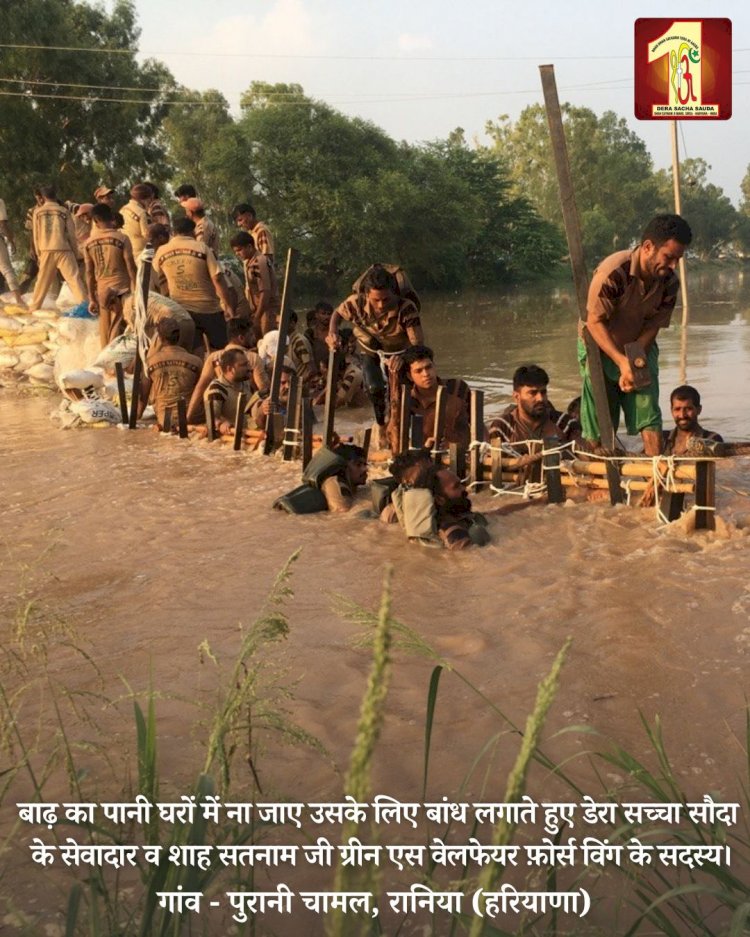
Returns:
(338,188)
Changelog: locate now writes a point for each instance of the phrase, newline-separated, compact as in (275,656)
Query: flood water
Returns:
(134,550)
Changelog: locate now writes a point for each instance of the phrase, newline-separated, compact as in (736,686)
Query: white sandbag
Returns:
(80,379)
(95,411)
(50,345)
(9,326)
(122,350)
(112,391)
(80,349)
(8,359)
(29,358)
(268,345)
(44,373)
(46,315)
(75,330)
(65,298)
(13,309)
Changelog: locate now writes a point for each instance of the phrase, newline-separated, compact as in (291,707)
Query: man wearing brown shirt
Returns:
(205,229)
(384,322)
(224,391)
(171,372)
(56,247)
(136,217)
(109,263)
(261,286)
(194,279)
(246,219)
(632,296)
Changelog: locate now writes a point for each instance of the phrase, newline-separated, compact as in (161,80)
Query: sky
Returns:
(419,69)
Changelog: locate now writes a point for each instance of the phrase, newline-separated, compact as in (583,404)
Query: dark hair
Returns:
(244,208)
(238,327)
(665,228)
(685,392)
(406,460)
(378,278)
(416,353)
(102,212)
(48,191)
(574,406)
(119,220)
(349,452)
(323,306)
(242,239)
(155,190)
(158,232)
(229,356)
(530,375)
(185,191)
(168,329)
(141,190)
(184,226)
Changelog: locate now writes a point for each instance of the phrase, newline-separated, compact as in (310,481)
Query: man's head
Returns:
(105,196)
(168,330)
(194,208)
(243,245)
(48,193)
(319,318)
(356,463)
(450,494)
(240,332)
(158,234)
(380,289)
(234,365)
(685,402)
(84,211)
(141,192)
(530,392)
(183,192)
(184,227)
(102,215)
(419,363)
(663,243)
(154,191)
(244,216)
(414,468)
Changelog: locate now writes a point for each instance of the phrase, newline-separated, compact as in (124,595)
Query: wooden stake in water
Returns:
(182,417)
(439,428)
(137,369)
(278,362)
(683,268)
(476,417)
(121,394)
(334,361)
(294,404)
(239,421)
(580,277)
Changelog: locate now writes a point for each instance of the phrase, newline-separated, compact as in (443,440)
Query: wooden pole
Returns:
(166,426)
(683,269)
(551,472)
(404,419)
(705,495)
(457,459)
(239,421)
(278,363)
(122,396)
(329,414)
(137,369)
(182,417)
(208,406)
(439,430)
(580,276)
(292,417)
(417,431)
(476,430)
(306,428)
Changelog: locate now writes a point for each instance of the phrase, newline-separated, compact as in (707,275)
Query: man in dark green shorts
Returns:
(632,296)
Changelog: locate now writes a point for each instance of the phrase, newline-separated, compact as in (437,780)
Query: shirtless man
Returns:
(109,265)
(171,372)
(685,402)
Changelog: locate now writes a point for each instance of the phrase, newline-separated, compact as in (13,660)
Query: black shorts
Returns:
(212,324)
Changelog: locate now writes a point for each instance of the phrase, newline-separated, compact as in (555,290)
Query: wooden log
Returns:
(417,431)
(210,416)
(551,472)
(705,496)
(278,362)
(364,438)
(166,426)
(457,459)
(672,505)
(182,417)
(635,484)
(306,424)
(476,432)
(329,414)
(439,432)
(137,371)
(239,421)
(580,276)
(291,425)
(683,470)
(275,424)
(121,394)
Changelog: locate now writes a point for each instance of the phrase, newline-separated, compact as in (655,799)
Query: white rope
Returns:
(529,492)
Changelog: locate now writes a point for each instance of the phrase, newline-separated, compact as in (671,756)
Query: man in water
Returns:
(171,372)
(384,322)
(631,297)
(531,415)
(224,391)
(340,489)
(685,402)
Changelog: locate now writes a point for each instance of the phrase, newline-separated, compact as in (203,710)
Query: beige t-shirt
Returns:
(105,253)
(136,225)
(188,267)
(173,373)
(206,231)
(53,229)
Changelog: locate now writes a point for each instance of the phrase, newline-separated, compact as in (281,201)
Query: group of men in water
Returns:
(210,331)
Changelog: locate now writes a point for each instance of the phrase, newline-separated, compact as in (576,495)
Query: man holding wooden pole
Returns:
(631,297)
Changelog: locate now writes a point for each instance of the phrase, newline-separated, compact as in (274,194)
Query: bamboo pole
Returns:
(683,269)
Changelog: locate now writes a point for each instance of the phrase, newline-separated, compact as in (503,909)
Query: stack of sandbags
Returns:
(26,349)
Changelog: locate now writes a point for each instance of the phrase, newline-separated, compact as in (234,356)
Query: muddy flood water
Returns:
(132,561)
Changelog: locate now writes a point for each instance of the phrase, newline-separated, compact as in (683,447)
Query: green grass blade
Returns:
(431,702)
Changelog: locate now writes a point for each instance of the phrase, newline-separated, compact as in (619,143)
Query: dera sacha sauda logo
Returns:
(683,69)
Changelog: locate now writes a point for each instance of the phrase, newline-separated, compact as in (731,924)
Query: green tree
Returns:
(745,188)
(611,169)
(711,215)
(60,129)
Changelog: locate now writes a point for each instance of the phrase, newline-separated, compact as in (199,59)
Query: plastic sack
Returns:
(122,350)
(81,311)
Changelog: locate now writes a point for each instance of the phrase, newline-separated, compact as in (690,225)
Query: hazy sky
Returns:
(420,68)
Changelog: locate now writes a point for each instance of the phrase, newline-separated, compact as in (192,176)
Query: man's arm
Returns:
(415,334)
(603,338)
(130,263)
(8,235)
(143,397)
(195,407)
(91,283)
